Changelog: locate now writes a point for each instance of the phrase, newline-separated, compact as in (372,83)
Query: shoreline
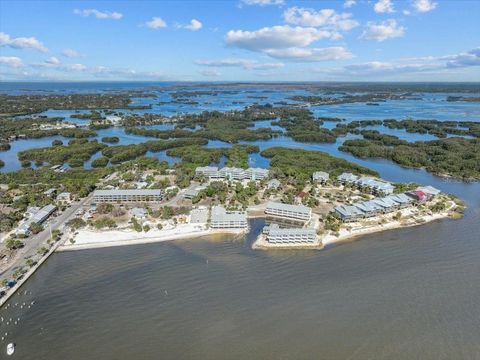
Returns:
(154,237)
(345,234)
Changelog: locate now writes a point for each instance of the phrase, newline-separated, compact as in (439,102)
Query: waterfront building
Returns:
(299,212)
(347,178)
(402,200)
(290,236)
(348,213)
(223,219)
(369,208)
(429,191)
(273,184)
(320,176)
(387,203)
(132,195)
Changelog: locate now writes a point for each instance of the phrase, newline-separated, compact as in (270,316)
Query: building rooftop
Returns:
(349,210)
(219,213)
(288,207)
(151,192)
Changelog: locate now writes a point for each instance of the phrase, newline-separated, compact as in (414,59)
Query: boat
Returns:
(10,349)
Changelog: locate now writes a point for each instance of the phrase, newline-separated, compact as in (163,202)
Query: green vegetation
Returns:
(110,139)
(102,161)
(104,223)
(29,128)
(301,164)
(77,223)
(29,104)
(13,244)
(75,153)
(193,156)
(456,157)
(121,153)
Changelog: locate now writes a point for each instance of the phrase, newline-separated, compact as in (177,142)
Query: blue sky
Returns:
(241,40)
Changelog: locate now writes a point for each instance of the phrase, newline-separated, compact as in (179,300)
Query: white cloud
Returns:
(263,2)
(53,61)
(470,58)
(71,53)
(156,23)
(244,63)
(384,6)
(194,25)
(382,31)
(349,3)
(210,73)
(311,54)
(55,64)
(328,18)
(423,65)
(112,15)
(11,61)
(277,37)
(424,5)
(21,42)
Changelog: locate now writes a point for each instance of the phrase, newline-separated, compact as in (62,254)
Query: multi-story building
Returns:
(132,195)
(222,219)
(232,173)
(298,212)
(320,176)
(277,235)
(347,178)
(210,172)
(348,213)
(255,174)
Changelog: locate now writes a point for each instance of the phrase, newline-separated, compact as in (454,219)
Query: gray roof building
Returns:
(347,178)
(130,195)
(299,212)
(290,236)
(223,219)
(320,176)
(273,184)
(349,213)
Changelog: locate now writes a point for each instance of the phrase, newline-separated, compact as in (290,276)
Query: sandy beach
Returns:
(357,229)
(91,239)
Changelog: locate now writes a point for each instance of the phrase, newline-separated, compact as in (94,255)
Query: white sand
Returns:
(360,228)
(89,239)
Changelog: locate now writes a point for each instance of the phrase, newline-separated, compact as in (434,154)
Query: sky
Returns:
(240,40)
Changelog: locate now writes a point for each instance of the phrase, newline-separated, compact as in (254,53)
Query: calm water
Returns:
(404,294)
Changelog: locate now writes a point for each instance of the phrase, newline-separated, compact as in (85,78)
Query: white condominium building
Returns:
(299,212)
(276,235)
(223,219)
(133,195)
(232,173)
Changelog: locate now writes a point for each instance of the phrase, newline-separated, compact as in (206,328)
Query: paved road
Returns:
(32,244)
